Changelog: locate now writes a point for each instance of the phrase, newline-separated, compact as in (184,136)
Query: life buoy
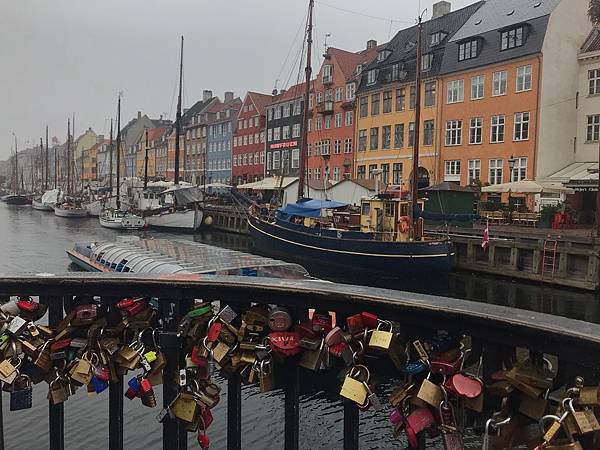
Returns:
(404,227)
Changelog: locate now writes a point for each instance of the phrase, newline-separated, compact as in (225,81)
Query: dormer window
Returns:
(372,76)
(512,38)
(410,45)
(382,55)
(468,50)
(358,69)
(426,61)
(436,38)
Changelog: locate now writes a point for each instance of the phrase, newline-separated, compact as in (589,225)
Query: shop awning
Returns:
(582,176)
(269,184)
(526,187)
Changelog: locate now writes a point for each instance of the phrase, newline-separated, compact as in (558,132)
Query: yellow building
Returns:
(141,155)
(90,161)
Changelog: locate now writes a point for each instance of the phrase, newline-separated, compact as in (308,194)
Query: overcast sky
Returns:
(65,56)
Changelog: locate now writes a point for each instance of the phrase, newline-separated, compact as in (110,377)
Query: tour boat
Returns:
(121,220)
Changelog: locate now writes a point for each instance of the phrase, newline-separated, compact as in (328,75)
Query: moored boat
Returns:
(181,212)
(16,199)
(70,211)
(46,202)
(121,220)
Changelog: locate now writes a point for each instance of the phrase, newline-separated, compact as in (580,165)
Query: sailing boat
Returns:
(115,218)
(180,209)
(391,239)
(16,198)
(48,200)
(70,207)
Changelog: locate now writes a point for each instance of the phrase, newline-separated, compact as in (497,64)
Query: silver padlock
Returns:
(17,325)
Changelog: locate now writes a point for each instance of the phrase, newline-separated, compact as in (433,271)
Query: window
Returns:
(337,147)
(467,50)
(276,160)
(360,172)
(456,91)
(519,171)
(372,76)
(295,158)
(495,171)
(511,38)
(262,158)
(319,123)
(426,61)
(311,98)
(399,135)
(318,173)
(308,149)
(435,38)
(270,134)
(286,110)
(594,81)
(362,140)
(454,132)
(474,170)
(350,91)
(428,130)
(375,104)
(245,140)
(521,126)
(339,94)
(387,102)
(318,146)
(477,87)
(277,113)
(286,132)
(476,130)
(524,78)
(499,83)
(349,118)
(497,134)
(385,173)
(245,159)
(296,130)
(372,168)
(413,97)
(364,106)
(348,145)
(411,134)
(397,174)
(395,72)
(593,128)
(338,120)
(374,141)
(327,73)
(276,134)
(430,93)
(400,96)
(328,95)
(327,122)
(452,170)
(386,137)
(309,124)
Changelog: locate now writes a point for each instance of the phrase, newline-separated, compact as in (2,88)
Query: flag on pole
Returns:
(485,242)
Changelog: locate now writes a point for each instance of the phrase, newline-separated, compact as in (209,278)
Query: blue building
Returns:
(221,126)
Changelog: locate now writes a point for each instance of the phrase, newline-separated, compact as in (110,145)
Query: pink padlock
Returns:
(335,336)
(420,419)
(396,416)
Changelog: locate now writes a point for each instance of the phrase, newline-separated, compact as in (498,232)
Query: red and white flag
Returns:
(485,242)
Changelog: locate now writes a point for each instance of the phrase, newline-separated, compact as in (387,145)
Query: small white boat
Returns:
(94,208)
(47,201)
(121,220)
(183,220)
(70,211)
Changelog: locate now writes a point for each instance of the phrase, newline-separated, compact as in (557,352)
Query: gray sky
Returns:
(65,56)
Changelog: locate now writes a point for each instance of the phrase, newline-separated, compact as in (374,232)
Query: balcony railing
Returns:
(326,107)
(495,329)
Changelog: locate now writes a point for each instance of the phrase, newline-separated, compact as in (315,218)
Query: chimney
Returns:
(161,116)
(228,96)
(206,95)
(100,138)
(371,43)
(441,8)
(274,91)
(139,114)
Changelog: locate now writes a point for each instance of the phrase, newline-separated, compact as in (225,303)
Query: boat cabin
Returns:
(390,217)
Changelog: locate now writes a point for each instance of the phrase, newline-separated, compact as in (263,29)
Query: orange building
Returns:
(331,117)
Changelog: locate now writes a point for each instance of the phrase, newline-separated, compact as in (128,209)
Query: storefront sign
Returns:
(284,145)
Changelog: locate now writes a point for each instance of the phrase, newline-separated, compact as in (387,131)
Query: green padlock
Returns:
(150,356)
(200,311)
(3,338)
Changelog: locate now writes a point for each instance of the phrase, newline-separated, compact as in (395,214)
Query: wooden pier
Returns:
(229,218)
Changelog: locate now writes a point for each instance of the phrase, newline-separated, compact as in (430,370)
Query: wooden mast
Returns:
(110,151)
(146,163)
(178,117)
(16,167)
(308,75)
(46,162)
(68,157)
(118,152)
(415,166)
(42,166)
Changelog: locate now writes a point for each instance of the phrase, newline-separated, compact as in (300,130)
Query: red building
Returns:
(332,113)
(249,140)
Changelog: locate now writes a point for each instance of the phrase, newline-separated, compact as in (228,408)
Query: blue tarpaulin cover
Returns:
(309,208)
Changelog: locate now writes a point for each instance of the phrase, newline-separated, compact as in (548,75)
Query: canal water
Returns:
(34,242)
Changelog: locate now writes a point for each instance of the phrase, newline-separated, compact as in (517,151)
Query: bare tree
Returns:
(594,11)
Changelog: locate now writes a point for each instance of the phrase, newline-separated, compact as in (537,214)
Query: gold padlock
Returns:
(430,393)
(184,407)
(381,339)
(354,389)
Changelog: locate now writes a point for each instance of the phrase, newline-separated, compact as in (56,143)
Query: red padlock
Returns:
(370,321)
(102,373)
(285,343)
(355,323)
(335,336)
(464,386)
(60,345)
(445,367)
(125,303)
(197,357)
(136,308)
(28,305)
(131,393)
(305,330)
(321,322)
(207,419)
(420,419)
(213,331)
(203,441)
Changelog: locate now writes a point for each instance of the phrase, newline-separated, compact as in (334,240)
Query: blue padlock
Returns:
(134,384)
(99,385)
(413,368)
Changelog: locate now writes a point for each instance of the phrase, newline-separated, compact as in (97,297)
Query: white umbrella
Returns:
(526,187)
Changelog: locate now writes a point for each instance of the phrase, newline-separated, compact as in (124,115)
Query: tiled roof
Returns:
(348,60)
(197,108)
(156,133)
(260,100)
(403,47)
(592,43)
(294,92)
(498,14)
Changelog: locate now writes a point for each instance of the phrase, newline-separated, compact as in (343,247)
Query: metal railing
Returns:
(496,329)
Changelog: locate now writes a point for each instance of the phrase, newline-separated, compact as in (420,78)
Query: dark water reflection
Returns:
(34,242)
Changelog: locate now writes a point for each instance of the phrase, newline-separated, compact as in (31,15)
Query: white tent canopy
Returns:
(215,185)
(526,187)
(269,184)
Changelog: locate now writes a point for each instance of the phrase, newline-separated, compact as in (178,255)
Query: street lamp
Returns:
(511,165)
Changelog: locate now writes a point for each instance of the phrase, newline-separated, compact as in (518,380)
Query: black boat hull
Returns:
(384,258)
(16,199)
